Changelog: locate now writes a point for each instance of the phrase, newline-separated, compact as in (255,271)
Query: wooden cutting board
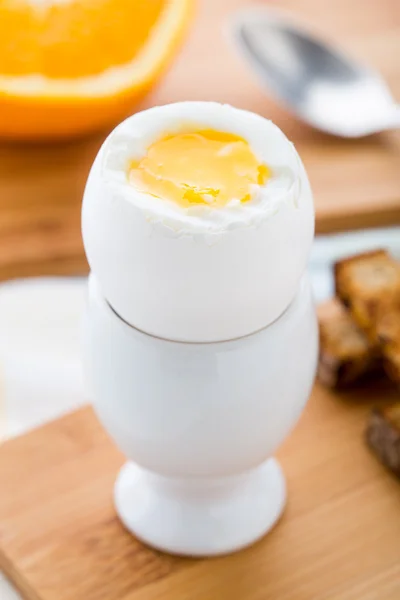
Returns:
(339,538)
(356,183)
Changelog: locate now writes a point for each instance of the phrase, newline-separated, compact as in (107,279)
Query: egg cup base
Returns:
(197,517)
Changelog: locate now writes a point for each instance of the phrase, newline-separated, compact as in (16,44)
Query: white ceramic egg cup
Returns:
(199,423)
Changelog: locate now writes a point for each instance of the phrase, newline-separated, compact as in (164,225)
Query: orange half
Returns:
(71,66)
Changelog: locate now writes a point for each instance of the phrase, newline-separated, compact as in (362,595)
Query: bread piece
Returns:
(388,332)
(369,285)
(345,355)
(383,436)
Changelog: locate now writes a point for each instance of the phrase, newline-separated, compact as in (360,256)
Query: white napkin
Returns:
(40,351)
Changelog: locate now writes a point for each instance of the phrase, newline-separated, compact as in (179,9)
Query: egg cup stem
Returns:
(204,516)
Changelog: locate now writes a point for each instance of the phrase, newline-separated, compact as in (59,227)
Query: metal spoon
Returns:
(319,84)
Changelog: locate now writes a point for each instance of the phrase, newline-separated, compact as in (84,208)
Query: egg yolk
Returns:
(205,167)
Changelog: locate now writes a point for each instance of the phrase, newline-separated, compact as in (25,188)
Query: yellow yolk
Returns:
(205,167)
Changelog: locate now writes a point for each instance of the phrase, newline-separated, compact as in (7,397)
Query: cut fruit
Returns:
(71,66)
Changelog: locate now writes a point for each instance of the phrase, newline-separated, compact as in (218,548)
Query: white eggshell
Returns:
(197,275)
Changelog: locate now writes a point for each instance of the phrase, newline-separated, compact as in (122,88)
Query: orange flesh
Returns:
(73,39)
(205,167)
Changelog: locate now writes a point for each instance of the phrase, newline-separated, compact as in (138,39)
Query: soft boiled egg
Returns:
(197,221)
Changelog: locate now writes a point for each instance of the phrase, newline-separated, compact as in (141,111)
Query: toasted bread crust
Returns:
(369,285)
(388,332)
(344,282)
(383,436)
(346,356)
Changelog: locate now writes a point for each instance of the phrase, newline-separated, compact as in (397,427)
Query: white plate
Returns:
(40,362)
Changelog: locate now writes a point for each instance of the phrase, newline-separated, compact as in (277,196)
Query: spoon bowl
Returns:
(317,82)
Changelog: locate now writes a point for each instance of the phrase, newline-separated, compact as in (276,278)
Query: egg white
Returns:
(131,139)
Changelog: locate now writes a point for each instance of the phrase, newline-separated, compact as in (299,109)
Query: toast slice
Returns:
(345,355)
(369,285)
(388,332)
(383,436)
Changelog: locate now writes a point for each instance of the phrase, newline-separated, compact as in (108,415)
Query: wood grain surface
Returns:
(356,183)
(339,538)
